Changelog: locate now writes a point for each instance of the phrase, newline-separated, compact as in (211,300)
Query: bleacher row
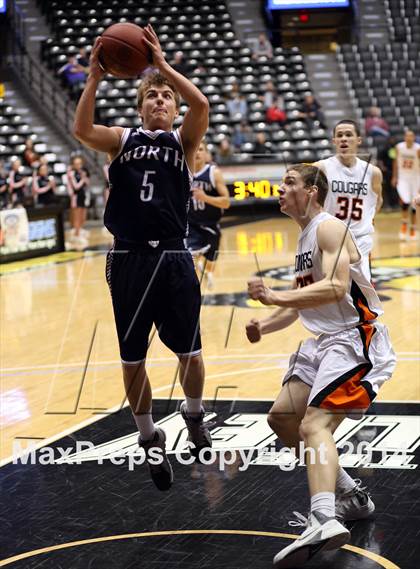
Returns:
(386,77)
(13,133)
(217,60)
(403,19)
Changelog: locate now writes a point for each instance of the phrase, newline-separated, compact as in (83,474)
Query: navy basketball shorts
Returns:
(204,240)
(158,287)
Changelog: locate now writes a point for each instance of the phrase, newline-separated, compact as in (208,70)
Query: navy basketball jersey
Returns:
(149,187)
(200,212)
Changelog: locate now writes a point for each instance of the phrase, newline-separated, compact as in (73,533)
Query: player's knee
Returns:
(405,206)
(282,423)
(308,427)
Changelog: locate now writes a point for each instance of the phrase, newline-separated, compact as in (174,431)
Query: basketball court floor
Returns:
(76,498)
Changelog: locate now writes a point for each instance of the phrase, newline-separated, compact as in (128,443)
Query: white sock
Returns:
(145,425)
(345,482)
(193,405)
(324,502)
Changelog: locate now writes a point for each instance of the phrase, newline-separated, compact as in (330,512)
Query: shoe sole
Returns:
(305,553)
(165,480)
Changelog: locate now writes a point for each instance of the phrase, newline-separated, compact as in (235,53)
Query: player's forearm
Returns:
(282,318)
(325,291)
(188,91)
(221,201)
(85,111)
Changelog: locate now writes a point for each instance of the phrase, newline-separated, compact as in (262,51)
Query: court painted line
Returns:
(98,416)
(381,561)
(172,359)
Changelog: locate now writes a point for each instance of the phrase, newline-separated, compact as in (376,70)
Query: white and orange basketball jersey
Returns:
(408,160)
(350,194)
(360,304)
(408,183)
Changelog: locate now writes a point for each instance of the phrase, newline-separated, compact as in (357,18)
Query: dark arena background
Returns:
(278,75)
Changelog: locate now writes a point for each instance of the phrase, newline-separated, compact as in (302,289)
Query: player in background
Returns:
(406,178)
(78,183)
(149,271)
(209,198)
(355,186)
(334,375)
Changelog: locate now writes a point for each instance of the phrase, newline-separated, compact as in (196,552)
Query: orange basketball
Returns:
(124,52)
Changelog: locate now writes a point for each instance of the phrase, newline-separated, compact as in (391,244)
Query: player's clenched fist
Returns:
(253,331)
(257,291)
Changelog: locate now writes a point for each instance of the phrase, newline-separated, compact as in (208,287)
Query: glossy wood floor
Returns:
(59,354)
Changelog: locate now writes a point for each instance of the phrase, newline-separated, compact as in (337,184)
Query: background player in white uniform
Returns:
(406,178)
(209,198)
(355,186)
(331,376)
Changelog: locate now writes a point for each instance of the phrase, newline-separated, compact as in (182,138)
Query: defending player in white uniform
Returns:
(334,375)
(406,178)
(355,186)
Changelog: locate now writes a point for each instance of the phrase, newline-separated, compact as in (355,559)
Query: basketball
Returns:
(124,52)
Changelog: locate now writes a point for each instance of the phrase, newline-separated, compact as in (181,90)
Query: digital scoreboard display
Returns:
(306,4)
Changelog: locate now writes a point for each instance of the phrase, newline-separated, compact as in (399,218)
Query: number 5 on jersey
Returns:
(147,193)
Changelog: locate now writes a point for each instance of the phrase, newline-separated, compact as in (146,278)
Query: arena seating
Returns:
(13,133)
(403,19)
(203,31)
(387,76)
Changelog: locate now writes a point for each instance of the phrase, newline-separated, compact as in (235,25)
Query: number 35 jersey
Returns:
(360,303)
(150,185)
(350,194)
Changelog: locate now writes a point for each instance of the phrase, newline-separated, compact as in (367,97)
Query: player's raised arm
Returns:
(97,137)
(196,119)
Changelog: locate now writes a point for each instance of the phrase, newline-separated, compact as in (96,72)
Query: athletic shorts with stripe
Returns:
(408,188)
(158,288)
(346,370)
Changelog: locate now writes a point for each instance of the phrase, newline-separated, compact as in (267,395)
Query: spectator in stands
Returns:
(375,125)
(17,181)
(263,47)
(43,186)
(261,146)
(83,59)
(179,63)
(224,151)
(78,182)
(30,157)
(311,111)
(4,187)
(242,133)
(237,107)
(73,74)
(275,114)
(270,96)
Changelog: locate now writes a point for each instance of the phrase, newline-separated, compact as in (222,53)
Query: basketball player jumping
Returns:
(331,376)
(150,272)
(355,186)
(210,197)
(406,178)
